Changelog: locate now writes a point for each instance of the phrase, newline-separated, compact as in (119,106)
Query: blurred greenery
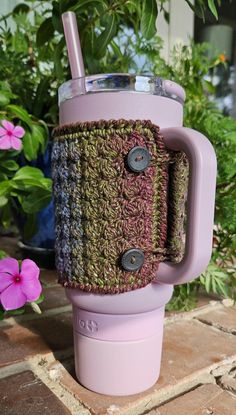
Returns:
(22,188)
(116,36)
(33,58)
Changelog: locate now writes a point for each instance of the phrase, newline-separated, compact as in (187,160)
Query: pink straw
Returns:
(73,45)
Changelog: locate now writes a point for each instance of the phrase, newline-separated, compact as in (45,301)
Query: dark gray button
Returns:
(138,159)
(133,259)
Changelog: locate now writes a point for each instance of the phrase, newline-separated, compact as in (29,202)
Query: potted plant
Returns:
(24,190)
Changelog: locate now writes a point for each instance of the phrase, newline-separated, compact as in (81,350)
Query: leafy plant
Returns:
(113,33)
(189,67)
(33,58)
(22,188)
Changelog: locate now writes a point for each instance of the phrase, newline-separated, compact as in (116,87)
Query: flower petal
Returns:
(5,142)
(13,297)
(32,289)
(16,143)
(18,131)
(2,131)
(5,280)
(9,265)
(8,125)
(29,270)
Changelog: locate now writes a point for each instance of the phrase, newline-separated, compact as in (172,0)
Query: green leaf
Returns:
(133,3)
(29,185)
(208,283)
(28,172)
(16,312)
(3,201)
(21,8)
(20,113)
(58,59)
(116,50)
(212,7)
(40,299)
(45,32)
(83,4)
(6,216)
(190,5)
(3,254)
(209,86)
(40,98)
(57,22)
(4,187)
(30,146)
(105,37)
(36,201)
(10,165)
(4,98)
(148,19)
(40,134)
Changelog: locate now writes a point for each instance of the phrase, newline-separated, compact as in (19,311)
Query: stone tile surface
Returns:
(25,394)
(205,400)
(9,245)
(54,297)
(39,336)
(228,382)
(224,319)
(189,347)
(48,277)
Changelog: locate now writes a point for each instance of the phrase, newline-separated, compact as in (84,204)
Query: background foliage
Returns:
(119,36)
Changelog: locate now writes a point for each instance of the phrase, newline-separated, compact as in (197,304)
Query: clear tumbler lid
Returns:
(121,82)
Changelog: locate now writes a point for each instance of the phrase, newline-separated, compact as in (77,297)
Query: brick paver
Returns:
(25,394)
(199,350)
(189,347)
(40,336)
(54,297)
(224,319)
(206,400)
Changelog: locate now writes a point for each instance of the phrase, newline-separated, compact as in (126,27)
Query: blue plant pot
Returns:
(40,246)
(45,236)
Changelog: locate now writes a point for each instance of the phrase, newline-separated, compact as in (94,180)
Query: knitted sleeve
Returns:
(119,203)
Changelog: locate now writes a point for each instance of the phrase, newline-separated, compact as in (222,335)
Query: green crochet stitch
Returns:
(104,209)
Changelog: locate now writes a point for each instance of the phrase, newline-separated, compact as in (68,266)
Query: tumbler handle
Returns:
(200,205)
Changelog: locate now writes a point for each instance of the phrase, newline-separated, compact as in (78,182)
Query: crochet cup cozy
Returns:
(119,203)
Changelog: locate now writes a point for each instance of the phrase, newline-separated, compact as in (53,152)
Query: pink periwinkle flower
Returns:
(10,136)
(18,286)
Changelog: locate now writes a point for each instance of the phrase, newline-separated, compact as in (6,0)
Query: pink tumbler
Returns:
(118,337)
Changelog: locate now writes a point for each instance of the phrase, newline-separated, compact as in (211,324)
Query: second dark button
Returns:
(133,259)
(138,159)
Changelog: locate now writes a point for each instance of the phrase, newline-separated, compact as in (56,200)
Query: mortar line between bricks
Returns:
(28,317)
(19,367)
(214,326)
(170,392)
(72,404)
(49,285)
(190,315)
(175,397)
(59,310)
(36,365)
(161,396)
(224,388)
